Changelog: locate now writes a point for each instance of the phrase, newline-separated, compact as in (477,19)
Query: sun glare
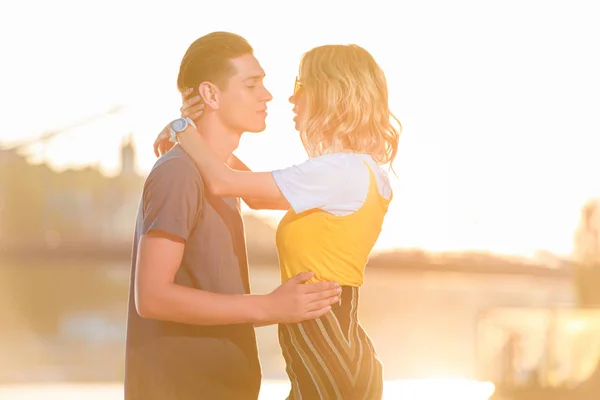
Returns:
(427,389)
(477,133)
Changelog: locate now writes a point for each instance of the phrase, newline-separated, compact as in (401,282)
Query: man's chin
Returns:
(256,129)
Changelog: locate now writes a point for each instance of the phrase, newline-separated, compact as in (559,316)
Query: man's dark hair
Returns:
(208,59)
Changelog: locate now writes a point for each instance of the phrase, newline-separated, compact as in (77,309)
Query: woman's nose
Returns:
(291,99)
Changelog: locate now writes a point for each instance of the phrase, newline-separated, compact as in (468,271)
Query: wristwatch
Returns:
(178,126)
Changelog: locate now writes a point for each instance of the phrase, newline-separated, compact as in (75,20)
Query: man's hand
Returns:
(295,301)
(192,107)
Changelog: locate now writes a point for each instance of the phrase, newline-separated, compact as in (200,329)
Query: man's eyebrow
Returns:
(255,77)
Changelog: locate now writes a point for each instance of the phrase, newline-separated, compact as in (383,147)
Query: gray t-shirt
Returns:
(166,360)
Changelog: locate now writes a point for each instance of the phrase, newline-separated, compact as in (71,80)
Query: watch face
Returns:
(179,125)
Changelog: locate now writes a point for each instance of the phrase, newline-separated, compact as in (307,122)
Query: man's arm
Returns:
(171,203)
(158,297)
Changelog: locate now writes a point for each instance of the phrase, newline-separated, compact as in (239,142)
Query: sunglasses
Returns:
(297,86)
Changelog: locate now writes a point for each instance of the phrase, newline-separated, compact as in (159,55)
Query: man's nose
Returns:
(292,100)
(267,96)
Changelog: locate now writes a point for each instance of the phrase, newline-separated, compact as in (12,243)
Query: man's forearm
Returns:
(186,305)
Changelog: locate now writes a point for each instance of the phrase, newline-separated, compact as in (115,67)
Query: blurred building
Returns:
(41,209)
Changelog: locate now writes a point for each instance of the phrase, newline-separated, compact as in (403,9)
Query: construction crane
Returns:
(48,135)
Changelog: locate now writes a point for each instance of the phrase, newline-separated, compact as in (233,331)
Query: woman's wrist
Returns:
(178,126)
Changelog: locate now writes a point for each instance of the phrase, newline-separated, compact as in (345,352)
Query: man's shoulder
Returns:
(174,169)
(175,158)
(175,161)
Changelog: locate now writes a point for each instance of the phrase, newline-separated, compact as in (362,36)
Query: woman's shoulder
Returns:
(342,161)
(337,158)
(356,168)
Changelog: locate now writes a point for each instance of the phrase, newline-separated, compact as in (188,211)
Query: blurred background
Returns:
(485,279)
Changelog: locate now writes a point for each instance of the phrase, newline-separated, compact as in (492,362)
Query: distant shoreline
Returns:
(85,251)
(408,261)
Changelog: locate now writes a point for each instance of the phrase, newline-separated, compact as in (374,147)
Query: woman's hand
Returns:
(162,143)
(192,107)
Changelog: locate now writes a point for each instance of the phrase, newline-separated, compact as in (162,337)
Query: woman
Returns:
(337,201)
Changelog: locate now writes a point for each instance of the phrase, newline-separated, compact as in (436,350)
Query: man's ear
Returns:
(210,94)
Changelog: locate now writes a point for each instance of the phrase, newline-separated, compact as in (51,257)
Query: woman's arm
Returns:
(256,203)
(223,181)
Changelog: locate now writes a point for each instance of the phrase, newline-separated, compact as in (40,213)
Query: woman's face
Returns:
(299,102)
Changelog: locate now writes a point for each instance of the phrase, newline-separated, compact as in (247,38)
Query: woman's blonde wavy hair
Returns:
(347,107)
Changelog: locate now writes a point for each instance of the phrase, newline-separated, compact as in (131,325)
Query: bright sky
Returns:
(499,101)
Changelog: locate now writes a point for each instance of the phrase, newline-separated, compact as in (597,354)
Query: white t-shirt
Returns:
(337,183)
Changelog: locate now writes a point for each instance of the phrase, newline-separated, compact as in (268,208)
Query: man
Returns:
(190,327)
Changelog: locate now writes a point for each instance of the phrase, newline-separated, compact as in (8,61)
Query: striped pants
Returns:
(332,358)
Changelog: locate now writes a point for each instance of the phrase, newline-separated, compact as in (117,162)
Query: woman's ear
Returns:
(210,95)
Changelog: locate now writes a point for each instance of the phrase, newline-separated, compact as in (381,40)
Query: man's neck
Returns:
(219,139)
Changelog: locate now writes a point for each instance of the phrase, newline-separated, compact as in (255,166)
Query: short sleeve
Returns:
(336,183)
(172,198)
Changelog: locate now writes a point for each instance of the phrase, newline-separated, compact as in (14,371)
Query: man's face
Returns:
(243,104)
